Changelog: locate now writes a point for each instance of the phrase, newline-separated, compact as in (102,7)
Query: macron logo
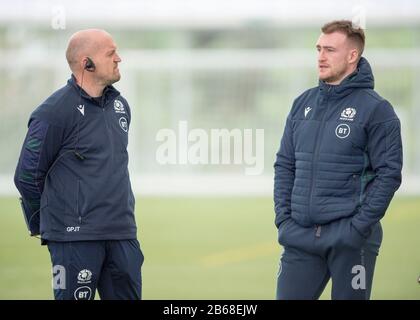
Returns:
(81,108)
(307,109)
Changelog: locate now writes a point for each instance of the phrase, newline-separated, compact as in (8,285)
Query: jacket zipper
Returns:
(317,231)
(315,159)
(108,131)
(355,186)
(77,201)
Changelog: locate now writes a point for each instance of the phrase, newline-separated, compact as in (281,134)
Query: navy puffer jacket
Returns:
(340,155)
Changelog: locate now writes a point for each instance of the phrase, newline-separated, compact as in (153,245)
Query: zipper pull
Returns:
(318,231)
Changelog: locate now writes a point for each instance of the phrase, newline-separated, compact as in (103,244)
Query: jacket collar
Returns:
(362,77)
(108,93)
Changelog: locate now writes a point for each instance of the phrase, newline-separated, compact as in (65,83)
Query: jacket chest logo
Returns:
(348,114)
(118,106)
(342,131)
(307,109)
(81,108)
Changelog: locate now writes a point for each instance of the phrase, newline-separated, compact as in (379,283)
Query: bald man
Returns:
(73,177)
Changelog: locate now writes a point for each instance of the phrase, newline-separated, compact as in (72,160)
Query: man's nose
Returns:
(321,55)
(117,58)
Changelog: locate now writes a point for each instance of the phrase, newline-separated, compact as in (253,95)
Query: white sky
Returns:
(209,13)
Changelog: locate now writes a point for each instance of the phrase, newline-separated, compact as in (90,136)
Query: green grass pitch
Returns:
(210,248)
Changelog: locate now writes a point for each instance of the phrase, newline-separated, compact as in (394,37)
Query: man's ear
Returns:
(82,64)
(353,56)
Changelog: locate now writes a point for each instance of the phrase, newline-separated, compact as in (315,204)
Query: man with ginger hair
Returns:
(337,169)
(73,177)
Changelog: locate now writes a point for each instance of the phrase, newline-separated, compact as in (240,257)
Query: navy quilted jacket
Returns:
(340,155)
(80,199)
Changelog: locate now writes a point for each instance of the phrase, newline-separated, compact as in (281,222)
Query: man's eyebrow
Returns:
(325,47)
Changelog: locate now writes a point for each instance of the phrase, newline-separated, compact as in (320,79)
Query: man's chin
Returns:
(327,79)
(114,79)
(324,77)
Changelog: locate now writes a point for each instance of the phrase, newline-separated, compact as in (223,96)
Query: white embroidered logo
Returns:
(81,108)
(84,276)
(307,109)
(123,124)
(83,293)
(118,106)
(342,131)
(348,114)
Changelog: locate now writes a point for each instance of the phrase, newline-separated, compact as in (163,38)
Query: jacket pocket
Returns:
(291,234)
(282,229)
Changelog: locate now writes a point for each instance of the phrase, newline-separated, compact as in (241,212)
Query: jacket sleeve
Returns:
(284,174)
(40,147)
(385,154)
